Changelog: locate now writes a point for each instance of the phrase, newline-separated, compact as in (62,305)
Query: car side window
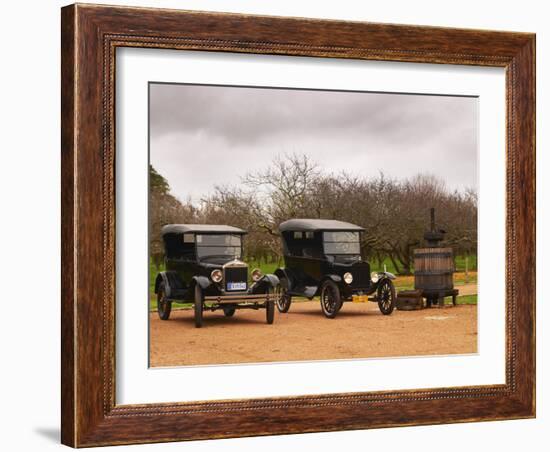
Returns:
(303,244)
(188,247)
(177,247)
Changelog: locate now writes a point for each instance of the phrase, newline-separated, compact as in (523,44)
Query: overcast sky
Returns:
(202,136)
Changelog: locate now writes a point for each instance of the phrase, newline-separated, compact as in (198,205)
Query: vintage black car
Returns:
(204,266)
(323,258)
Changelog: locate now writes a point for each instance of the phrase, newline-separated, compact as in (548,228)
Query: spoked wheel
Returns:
(386,297)
(331,301)
(199,305)
(283,299)
(270,307)
(164,306)
(228,311)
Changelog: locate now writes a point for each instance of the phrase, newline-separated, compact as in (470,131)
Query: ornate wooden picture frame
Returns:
(90,37)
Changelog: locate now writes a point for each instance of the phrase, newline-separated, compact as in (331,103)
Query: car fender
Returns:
(202,281)
(382,276)
(285,273)
(266,281)
(386,275)
(171,282)
(336,278)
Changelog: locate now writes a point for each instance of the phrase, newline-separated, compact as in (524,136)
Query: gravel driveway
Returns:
(359,331)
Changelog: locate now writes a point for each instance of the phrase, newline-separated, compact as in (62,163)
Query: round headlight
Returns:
(216,275)
(374,276)
(256,274)
(348,278)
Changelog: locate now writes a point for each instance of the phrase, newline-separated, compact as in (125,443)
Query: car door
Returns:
(310,260)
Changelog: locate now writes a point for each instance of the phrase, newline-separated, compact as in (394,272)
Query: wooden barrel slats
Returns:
(433,269)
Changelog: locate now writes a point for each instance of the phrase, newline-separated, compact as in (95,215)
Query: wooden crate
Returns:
(409,300)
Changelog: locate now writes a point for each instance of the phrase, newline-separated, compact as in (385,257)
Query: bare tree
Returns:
(394,213)
(284,186)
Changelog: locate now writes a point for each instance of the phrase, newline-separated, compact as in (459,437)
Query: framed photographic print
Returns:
(281,225)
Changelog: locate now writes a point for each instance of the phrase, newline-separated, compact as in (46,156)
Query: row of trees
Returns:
(395,213)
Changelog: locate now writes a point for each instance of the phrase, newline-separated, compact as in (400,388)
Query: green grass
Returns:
(460,263)
(153,303)
(378,266)
(467,299)
(265,267)
(153,272)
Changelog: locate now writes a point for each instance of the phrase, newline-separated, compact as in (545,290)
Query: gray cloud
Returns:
(203,136)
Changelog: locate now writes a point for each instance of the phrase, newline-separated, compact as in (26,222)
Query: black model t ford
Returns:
(323,257)
(204,266)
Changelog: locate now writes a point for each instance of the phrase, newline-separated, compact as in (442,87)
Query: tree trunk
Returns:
(395,265)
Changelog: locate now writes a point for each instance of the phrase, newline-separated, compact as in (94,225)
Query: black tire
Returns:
(386,297)
(284,300)
(199,302)
(269,311)
(331,300)
(228,311)
(164,306)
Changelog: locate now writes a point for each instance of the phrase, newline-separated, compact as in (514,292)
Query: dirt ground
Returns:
(359,331)
(467,289)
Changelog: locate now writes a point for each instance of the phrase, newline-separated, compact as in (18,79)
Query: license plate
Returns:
(360,298)
(236,286)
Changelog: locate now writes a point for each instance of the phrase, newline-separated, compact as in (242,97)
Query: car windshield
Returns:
(218,245)
(341,242)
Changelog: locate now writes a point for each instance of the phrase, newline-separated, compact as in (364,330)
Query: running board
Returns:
(231,299)
(307,291)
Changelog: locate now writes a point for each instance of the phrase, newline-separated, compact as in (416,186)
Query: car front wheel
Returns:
(386,297)
(164,306)
(283,299)
(269,311)
(270,306)
(331,300)
(199,302)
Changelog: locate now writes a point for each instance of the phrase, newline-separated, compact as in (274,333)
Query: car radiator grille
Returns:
(235,275)
(361,276)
